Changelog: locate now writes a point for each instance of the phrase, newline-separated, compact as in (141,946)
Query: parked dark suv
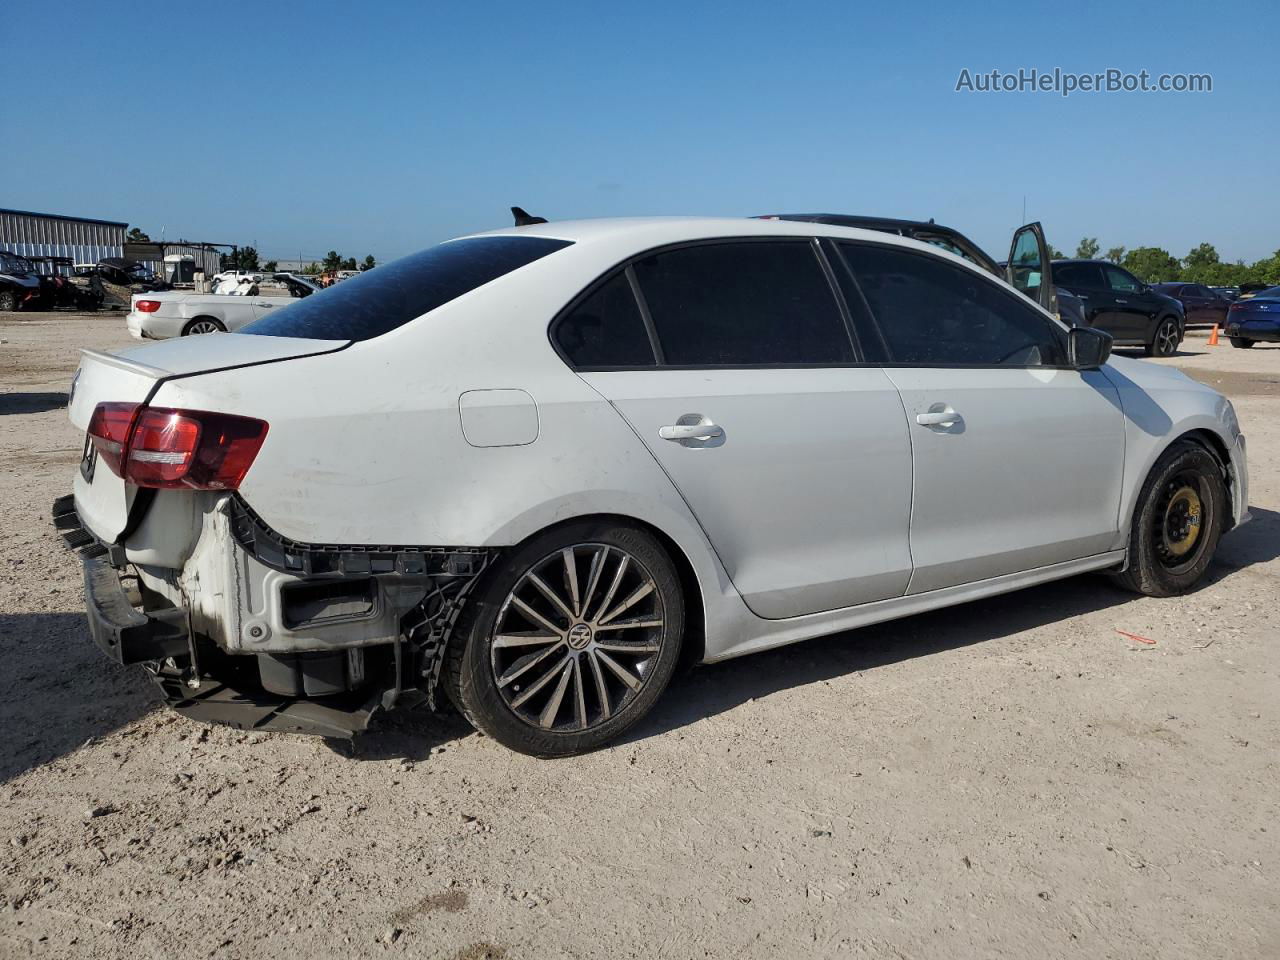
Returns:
(1200,304)
(1119,303)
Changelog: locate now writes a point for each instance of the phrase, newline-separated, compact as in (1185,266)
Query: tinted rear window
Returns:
(743,304)
(390,296)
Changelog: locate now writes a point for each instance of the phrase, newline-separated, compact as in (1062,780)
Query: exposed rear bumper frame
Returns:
(162,640)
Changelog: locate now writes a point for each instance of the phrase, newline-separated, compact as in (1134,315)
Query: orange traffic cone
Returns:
(1213,336)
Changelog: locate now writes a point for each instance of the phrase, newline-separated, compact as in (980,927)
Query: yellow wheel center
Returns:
(1182,521)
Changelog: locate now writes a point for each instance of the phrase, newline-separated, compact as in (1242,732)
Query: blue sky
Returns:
(384,127)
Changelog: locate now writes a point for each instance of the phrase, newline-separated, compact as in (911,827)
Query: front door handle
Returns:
(1121,301)
(938,418)
(680,432)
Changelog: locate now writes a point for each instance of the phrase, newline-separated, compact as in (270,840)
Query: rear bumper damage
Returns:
(332,688)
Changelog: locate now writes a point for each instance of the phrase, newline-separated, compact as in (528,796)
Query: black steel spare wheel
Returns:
(569,641)
(1177,522)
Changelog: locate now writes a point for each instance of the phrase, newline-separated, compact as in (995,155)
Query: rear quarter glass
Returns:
(387,297)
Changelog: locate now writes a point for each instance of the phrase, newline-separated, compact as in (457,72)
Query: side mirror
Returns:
(1088,348)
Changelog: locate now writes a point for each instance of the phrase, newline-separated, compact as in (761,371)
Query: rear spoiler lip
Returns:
(161,375)
(133,366)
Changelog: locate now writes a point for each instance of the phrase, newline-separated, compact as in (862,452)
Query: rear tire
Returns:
(1242,343)
(203,325)
(1164,342)
(1177,523)
(584,683)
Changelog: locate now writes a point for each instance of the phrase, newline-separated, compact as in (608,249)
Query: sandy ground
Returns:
(1011,778)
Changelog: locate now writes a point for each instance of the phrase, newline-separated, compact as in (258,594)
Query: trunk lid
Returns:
(104,500)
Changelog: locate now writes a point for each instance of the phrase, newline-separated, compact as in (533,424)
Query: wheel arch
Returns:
(1215,445)
(1221,452)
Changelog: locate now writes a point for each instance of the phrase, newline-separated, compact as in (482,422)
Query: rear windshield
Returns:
(386,297)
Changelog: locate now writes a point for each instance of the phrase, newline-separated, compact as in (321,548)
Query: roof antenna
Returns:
(524,219)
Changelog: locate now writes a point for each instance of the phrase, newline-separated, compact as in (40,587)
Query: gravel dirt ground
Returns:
(1010,778)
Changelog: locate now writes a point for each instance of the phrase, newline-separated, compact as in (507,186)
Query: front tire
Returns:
(1177,523)
(1164,342)
(1242,343)
(8,301)
(569,640)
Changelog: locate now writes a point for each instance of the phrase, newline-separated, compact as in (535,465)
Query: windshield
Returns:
(386,297)
(11,264)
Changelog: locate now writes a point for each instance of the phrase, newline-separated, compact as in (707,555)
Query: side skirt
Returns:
(817,625)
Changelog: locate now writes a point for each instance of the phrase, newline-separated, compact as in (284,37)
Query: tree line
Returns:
(1201,265)
(334,261)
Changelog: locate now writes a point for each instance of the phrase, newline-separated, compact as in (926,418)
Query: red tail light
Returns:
(147,306)
(109,431)
(1237,306)
(162,448)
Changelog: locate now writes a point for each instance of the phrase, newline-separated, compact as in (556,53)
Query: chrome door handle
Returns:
(1121,301)
(691,431)
(938,418)
(264,304)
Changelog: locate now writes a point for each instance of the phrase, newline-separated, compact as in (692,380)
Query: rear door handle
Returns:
(1118,300)
(938,418)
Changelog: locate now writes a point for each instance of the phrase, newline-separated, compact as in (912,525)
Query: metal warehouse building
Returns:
(51,235)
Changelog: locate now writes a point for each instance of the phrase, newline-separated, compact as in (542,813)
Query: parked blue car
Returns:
(1255,319)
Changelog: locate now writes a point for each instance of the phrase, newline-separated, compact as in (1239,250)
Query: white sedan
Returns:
(544,465)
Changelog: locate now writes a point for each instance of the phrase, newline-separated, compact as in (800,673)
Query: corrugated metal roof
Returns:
(59,216)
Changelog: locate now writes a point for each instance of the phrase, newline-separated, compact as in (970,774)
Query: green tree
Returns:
(1265,271)
(1115,255)
(1087,248)
(349,264)
(1055,253)
(332,261)
(1152,264)
(1202,265)
(369,263)
(244,258)
(271,266)
(136,236)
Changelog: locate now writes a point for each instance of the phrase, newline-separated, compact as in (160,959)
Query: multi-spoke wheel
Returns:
(570,641)
(202,325)
(1177,522)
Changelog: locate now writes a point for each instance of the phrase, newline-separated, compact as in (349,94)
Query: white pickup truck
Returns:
(181,313)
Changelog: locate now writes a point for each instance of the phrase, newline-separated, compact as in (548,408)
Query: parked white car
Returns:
(544,465)
(177,313)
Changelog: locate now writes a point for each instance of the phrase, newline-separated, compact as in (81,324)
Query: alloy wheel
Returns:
(577,638)
(204,326)
(1167,339)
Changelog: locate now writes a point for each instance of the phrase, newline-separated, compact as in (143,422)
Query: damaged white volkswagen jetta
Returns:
(543,466)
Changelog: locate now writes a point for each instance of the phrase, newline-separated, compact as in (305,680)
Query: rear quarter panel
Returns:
(365,445)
